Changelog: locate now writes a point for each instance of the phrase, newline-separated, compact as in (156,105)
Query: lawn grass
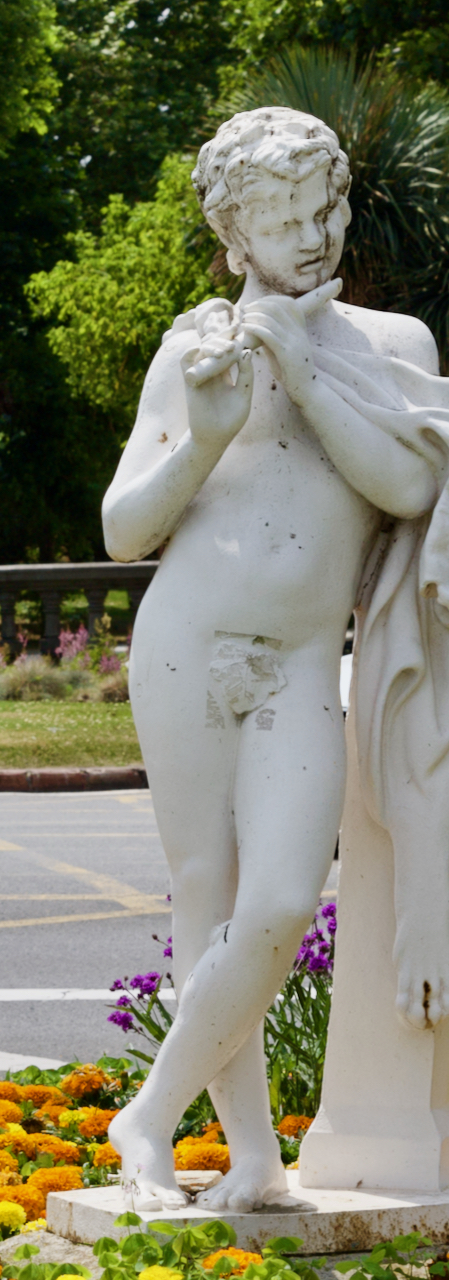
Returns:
(35,734)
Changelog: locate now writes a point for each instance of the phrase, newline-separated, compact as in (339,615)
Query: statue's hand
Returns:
(279,323)
(218,408)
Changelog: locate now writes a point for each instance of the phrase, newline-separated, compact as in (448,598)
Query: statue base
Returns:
(384,1115)
(340,1221)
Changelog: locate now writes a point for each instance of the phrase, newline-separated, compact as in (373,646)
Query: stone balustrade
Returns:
(53,581)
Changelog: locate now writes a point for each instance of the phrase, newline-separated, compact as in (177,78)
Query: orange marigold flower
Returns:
(32,1199)
(84,1080)
(38,1094)
(241,1258)
(198,1154)
(62,1179)
(9,1179)
(9,1091)
(214,1126)
(13,1135)
(8,1162)
(51,1111)
(59,1148)
(96,1122)
(291,1125)
(9,1112)
(107,1155)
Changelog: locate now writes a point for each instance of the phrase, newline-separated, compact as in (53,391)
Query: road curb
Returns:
(60,779)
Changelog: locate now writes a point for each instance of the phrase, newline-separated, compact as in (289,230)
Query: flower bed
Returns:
(54,1124)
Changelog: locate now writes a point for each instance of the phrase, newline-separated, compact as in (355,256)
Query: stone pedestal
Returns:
(335,1222)
(384,1119)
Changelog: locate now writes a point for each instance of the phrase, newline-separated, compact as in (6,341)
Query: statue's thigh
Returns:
(289,787)
(189,740)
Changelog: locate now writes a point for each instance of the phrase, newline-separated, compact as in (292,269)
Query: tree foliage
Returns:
(124,288)
(136,82)
(28,39)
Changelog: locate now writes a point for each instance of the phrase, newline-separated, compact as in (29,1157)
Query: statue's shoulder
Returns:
(392,333)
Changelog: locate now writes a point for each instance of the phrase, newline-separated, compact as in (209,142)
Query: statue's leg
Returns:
(288,795)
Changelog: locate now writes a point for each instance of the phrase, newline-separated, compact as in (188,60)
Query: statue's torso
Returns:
(276,539)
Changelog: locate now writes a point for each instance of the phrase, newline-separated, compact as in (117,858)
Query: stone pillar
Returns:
(95,598)
(7,602)
(384,1117)
(52,626)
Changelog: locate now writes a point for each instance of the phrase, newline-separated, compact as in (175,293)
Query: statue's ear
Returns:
(235,261)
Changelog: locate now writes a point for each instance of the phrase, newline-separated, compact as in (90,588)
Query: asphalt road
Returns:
(83,889)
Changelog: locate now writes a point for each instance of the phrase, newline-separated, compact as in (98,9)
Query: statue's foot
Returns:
(251,1183)
(423,974)
(148,1176)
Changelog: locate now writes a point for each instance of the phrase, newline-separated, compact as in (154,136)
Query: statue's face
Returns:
(293,238)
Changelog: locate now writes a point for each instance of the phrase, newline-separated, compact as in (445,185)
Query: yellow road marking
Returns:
(7,847)
(113,890)
(98,915)
(53,897)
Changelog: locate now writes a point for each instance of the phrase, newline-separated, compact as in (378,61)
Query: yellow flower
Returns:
(157,1273)
(39,1224)
(291,1125)
(63,1178)
(105,1154)
(12,1216)
(31,1199)
(239,1257)
(84,1080)
(67,1117)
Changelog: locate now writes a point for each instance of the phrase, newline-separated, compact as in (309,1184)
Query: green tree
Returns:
(136,82)
(28,40)
(124,288)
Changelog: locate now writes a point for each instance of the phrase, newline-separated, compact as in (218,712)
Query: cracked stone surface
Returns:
(52,1249)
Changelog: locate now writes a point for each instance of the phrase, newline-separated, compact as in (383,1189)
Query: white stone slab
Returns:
(342,1221)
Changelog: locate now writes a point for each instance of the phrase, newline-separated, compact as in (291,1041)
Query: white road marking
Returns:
(9,994)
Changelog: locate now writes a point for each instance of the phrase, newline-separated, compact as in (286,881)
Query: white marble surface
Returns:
(291,449)
(337,1220)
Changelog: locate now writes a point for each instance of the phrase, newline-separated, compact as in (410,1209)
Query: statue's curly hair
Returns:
(286,143)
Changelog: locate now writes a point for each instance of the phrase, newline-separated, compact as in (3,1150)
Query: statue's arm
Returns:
(388,471)
(179,436)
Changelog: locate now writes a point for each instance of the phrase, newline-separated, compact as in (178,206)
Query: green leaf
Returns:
(128,1220)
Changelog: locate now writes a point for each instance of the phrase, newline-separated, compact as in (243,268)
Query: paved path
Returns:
(83,887)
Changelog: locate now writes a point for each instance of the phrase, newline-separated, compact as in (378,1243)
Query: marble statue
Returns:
(293,450)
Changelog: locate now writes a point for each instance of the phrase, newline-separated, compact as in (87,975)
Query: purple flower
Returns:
(117,985)
(146,983)
(168,950)
(122,1020)
(124,1002)
(168,897)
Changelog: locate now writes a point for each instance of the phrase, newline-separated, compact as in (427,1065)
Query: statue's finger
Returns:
(311,302)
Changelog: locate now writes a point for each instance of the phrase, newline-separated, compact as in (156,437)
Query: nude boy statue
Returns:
(260,451)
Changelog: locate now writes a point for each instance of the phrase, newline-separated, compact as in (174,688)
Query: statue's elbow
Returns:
(116,535)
